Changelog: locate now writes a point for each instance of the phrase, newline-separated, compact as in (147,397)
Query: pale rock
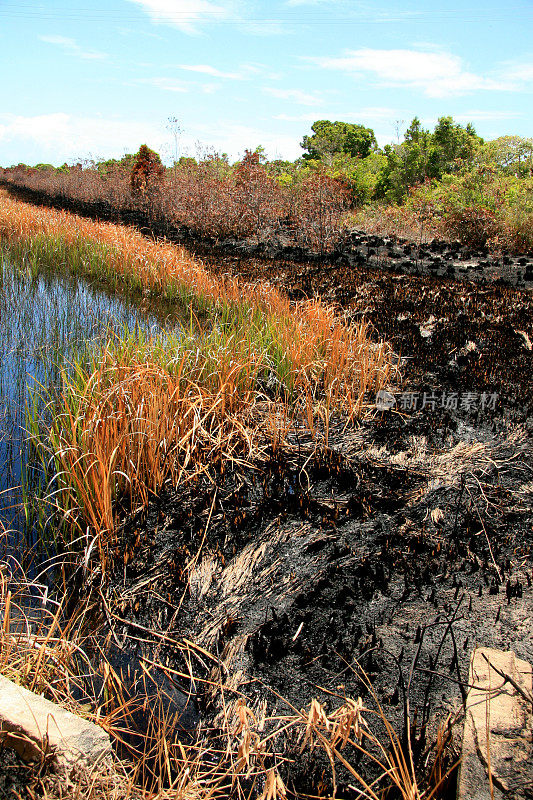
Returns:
(36,727)
(497,745)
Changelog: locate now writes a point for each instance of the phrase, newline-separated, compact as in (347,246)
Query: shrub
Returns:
(147,173)
(480,208)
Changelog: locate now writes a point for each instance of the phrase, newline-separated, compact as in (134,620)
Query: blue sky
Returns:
(96,79)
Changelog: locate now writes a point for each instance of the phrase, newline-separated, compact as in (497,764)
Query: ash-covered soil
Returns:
(394,547)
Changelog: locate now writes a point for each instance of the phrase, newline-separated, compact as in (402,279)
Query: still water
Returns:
(44,321)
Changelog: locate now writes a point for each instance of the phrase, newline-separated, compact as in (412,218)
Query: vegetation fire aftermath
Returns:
(266,456)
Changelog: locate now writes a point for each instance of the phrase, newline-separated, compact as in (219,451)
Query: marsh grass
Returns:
(48,320)
(142,410)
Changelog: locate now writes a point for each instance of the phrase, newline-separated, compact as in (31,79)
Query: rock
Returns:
(34,727)
(497,734)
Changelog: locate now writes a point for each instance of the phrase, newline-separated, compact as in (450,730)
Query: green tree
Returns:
(510,155)
(453,145)
(426,156)
(111,164)
(333,138)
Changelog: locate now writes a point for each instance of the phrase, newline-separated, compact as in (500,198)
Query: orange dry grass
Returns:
(315,343)
(155,267)
(131,427)
(144,414)
(130,422)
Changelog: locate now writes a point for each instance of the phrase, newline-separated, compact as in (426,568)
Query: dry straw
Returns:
(50,652)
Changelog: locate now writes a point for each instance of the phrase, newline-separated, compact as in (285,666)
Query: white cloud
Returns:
(312,117)
(72,47)
(382,138)
(436,74)
(206,69)
(295,95)
(188,15)
(60,137)
(185,14)
(486,116)
(254,68)
(520,72)
(233,138)
(309,2)
(270,27)
(371,112)
(260,69)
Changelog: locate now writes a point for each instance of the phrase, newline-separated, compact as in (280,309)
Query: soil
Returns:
(392,548)
(15,776)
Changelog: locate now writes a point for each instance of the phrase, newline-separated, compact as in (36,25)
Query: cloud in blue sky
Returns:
(186,14)
(311,2)
(294,95)
(72,47)
(166,84)
(371,114)
(98,77)
(206,69)
(521,72)
(436,74)
(76,137)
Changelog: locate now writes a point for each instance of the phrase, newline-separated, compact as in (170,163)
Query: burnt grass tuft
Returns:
(395,548)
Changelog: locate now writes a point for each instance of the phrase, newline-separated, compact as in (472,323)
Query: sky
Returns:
(90,80)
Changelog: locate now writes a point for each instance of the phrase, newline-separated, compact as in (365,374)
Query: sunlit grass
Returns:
(144,410)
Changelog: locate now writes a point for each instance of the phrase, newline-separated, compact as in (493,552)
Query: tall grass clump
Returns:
(144,410)
(48,319)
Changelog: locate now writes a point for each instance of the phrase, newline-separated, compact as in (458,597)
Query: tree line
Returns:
(446,182)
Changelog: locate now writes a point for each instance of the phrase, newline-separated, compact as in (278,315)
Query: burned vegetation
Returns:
(364,561)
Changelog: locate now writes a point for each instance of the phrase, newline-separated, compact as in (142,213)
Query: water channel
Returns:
(45,320)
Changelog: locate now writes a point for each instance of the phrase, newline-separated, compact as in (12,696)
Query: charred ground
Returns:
(393,546)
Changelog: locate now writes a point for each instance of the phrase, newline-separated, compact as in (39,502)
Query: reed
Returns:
(143,410)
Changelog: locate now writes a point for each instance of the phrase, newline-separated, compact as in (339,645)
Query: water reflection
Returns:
(44,321)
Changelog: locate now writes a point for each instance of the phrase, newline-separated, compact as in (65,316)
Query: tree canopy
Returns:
(509,154)
(333,138)
(425,156)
